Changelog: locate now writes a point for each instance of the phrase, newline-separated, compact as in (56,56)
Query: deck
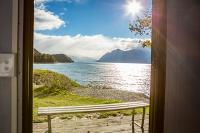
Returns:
(120,124)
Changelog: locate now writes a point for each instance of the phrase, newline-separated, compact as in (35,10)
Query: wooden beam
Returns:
(49,124)
(143,118)
(158,70)
(133,121)
(28,19)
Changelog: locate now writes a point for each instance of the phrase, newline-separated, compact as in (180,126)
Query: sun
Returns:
(133,7)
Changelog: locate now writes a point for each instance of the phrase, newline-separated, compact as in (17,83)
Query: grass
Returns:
(53,80)
(67,99)
(54,92)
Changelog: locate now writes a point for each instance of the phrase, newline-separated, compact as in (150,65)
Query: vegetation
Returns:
(54,90)
(41,99)
(53,81)
(142,25)
(44,58)
(62,58)
(146,43)
(47,58)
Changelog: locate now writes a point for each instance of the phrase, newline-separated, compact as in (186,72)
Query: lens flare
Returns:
(133,7)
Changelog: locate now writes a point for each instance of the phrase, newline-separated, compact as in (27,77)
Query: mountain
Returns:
(48,58)
(138,55)
(36,53)
(62,58)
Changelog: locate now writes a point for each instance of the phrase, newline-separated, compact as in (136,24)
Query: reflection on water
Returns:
(125,76)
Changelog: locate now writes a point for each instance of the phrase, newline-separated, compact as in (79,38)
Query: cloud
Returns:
(37,2)
(82,46)
(46,20)
(45,1)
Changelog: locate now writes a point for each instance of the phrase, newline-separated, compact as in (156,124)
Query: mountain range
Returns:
(137,55)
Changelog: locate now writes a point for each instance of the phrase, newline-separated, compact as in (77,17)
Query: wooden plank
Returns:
(90,108)
(101,105)
(83,107)
(83,111)
(118,104)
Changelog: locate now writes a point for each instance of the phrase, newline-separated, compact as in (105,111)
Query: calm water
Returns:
(124,76)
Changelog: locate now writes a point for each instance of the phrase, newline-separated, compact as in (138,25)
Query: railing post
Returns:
(143,117)
(133,121)
(49,124)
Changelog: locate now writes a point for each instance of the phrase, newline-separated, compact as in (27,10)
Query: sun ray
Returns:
(133,7)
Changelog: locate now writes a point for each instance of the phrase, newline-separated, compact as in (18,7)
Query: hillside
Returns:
(51,89)
(62,58)
(48,58)
(138,55)
(36,53)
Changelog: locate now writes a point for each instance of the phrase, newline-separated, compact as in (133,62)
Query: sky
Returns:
(84,28)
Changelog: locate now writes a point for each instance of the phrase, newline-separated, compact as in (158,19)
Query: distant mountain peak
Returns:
(137,55)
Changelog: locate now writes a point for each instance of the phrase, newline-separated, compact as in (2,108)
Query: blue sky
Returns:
(81,22)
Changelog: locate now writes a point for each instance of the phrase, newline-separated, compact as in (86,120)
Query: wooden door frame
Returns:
(158,70)
(159,37)
(27,30)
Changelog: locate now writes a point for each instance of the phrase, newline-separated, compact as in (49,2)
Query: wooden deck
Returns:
(106,125)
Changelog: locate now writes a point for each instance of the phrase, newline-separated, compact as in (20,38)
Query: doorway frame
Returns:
(26,15)
(158,66)
(158,69)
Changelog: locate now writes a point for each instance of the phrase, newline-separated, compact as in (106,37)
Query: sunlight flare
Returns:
(133,7)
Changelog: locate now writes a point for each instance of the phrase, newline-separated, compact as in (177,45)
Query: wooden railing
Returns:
(49,111)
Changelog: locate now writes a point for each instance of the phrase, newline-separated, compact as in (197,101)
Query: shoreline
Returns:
(54,89)
(110,93)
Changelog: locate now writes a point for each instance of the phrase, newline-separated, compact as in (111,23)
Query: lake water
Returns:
(124,76)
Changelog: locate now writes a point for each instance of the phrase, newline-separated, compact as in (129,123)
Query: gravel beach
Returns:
(109,93)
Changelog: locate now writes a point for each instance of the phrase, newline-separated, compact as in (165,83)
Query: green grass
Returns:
(74,100)
(68,99)
(54,92)
(53,80)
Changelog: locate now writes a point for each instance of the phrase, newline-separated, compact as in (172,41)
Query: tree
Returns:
(44,58)
(142,25)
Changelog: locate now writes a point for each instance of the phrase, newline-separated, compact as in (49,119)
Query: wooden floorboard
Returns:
(106,125)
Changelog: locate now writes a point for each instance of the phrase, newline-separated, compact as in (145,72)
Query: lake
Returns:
(123,76)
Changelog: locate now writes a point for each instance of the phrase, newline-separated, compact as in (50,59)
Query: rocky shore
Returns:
(110,93)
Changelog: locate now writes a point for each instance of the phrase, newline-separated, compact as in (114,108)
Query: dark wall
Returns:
(8,85)
(182,93)
(5,47)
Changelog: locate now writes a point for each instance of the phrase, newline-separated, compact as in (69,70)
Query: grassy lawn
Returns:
(65,100)
(69,99)
(54,93)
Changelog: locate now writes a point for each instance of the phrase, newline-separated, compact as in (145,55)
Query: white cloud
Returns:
(46,20)
(37,2)
(82,46)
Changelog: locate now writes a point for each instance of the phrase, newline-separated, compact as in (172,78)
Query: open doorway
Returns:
(91,52)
